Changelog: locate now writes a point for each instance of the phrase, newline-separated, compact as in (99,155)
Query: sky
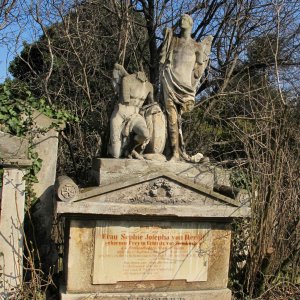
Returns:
(11,41)
(22,27)
(4,62)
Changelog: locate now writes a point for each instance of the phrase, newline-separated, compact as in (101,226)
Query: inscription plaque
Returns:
(142,250)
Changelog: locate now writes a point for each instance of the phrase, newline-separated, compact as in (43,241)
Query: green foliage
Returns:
(240,179)
(10,112)
(262,49)
(17,105)
(31,176)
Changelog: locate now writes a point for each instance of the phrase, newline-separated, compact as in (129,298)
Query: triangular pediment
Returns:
(154,194)
(156,188)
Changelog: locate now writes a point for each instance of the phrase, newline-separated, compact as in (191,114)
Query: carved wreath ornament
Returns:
(161,188)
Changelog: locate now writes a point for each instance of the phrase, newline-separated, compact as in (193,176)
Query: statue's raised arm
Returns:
(165,51)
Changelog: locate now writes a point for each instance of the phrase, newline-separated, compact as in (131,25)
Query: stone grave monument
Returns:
(15,163)
(151,227)
(151,230)
(13,160)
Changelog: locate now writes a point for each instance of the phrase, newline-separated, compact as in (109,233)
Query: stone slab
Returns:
(123,209)
(106,171)
(41,121)
(15,163)
(12,147)
(221,294)
(80,251)
(140,250)
(46,146)
(45,143)
(12,201)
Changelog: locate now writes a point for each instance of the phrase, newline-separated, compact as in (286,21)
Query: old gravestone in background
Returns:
(14,160)
(151,229)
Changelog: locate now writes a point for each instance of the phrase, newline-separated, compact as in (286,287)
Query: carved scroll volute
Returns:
(66,189)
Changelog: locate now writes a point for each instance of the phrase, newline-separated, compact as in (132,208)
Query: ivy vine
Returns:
(17,105)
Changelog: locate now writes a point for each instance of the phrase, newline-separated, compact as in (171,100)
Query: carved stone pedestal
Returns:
(148,234)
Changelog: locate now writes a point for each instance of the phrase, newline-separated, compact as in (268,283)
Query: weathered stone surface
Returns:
(12,200)
(139,200)
(15,163)
(80,263)
(215,212)
(183,62)
(46,145)
(221,294)
(41,121)
(155,194)
(155,185)
(106,171)
(156,123)
(132,117)
(155,157)
(140,251)
(12,147)
(66,189)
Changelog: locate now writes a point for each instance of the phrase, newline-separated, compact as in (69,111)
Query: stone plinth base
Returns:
(221,294)
(110,170)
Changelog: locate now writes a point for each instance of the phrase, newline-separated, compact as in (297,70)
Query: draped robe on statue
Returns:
(183,63)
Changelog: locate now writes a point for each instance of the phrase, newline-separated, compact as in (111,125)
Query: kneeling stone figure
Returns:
(128,119)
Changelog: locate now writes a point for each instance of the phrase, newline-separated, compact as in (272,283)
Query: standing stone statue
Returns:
(183,62)
(129,123)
